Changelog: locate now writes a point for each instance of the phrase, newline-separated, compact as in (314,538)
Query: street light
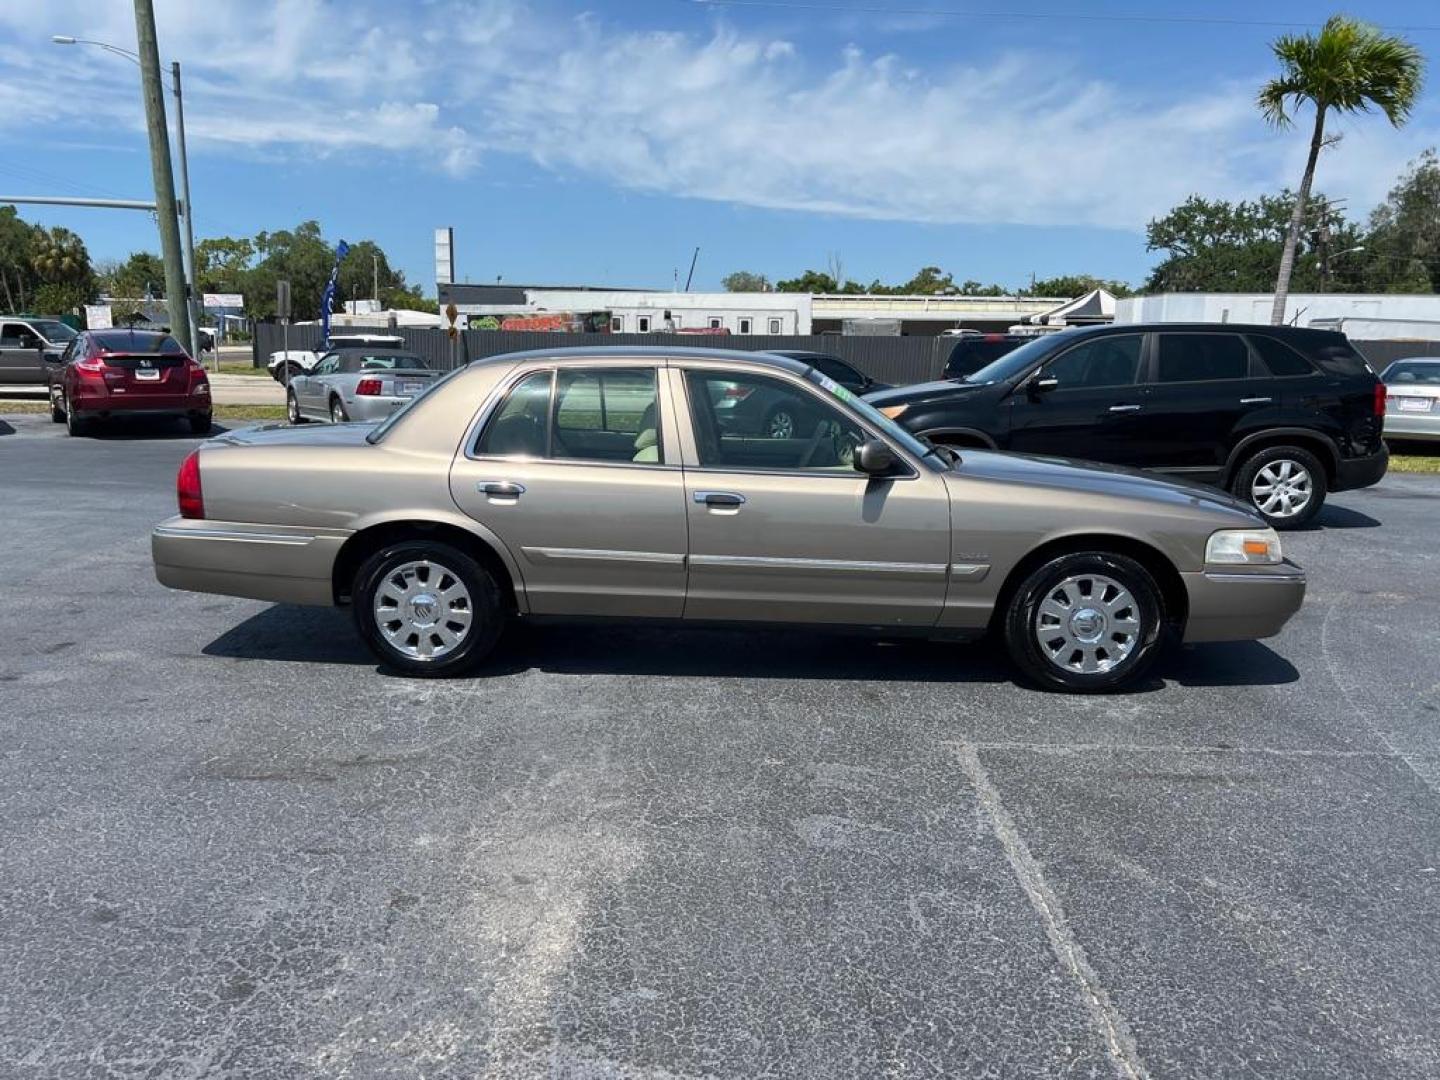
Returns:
(186,209)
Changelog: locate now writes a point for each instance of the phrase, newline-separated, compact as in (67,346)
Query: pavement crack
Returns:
(1107,1017)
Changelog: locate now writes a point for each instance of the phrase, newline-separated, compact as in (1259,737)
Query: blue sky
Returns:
(602,142)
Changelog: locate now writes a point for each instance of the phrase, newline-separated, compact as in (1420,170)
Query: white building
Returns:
(1362,316)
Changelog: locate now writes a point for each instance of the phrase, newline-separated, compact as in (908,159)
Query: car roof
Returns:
(651,352)
(1416,360)
(371,348)
(1300,332)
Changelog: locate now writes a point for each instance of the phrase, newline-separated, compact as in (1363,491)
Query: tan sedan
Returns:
(601,482)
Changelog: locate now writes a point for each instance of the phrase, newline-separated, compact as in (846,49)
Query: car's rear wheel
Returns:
(74,423)
(1285,484)
(1085,623)
(201,423)
(292,408)
(337,411)
(426,608)
(780,423)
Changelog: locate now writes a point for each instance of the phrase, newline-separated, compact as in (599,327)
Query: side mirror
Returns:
(874,457)
(1042,384)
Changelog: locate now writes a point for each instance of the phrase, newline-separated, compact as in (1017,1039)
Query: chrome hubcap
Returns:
(1282,488)
(782,426)
(423,610)
(293,408)
(1088,623)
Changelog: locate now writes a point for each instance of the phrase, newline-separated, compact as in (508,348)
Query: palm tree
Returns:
(1350,66)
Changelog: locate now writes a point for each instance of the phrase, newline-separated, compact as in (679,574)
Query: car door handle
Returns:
(501,489)
(1256,400)
(1125,408)
(726,500)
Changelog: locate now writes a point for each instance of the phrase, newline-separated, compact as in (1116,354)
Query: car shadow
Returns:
(1340,517)
(6,429)
(327,636)
(126,430)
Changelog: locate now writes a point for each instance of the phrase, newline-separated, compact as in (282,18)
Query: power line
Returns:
(1056,16)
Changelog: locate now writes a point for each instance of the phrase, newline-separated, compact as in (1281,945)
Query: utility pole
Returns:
(192,309)
(375,267)
(153,94)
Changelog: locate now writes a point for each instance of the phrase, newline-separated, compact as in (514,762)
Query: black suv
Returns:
(973,351)
(1277,415)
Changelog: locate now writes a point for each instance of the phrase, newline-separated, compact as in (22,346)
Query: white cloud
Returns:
(725,115)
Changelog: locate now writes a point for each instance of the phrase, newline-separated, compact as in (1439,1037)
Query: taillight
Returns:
(95,365)
(1380,392)
(187,487)
(368,388)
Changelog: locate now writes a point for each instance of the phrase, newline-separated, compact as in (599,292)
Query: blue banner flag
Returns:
(327,301)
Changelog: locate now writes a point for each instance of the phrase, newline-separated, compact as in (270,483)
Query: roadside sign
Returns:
(282,301)
(452,313)
(98,317)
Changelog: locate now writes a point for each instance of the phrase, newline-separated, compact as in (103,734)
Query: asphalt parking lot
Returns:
(232,848)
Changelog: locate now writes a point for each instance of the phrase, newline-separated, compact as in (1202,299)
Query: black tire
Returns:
(337,411)
(292,408)
(57,411)
(75,425)
(201,423)
(1058,663)
(1276,458)
(286,372)
(397,645)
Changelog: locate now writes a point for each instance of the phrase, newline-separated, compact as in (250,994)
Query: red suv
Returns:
(141,373)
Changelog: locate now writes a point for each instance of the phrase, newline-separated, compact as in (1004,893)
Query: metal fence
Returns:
(888,359)
(897,360)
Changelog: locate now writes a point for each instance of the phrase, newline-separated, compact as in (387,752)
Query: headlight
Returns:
(894,412)
(1257,547)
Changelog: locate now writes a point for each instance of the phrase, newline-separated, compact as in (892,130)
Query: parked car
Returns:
(285,364)
(133,373)
(26,343)
(973,350)
(356,384)
(772,413)
(1279,416)
(1412,389)
(599,482)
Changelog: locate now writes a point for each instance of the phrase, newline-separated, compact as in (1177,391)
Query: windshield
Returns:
(1012,363)
(1412,374)
(880,422)
(394,418)
(53,331)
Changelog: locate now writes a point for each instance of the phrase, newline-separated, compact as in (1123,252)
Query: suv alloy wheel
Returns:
(1285,484)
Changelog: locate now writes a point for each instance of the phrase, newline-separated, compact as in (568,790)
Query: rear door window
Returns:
(1201,358)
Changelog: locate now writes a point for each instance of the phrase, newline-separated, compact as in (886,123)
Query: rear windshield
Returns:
(138,341)
(1403,373)
(394,418)
(392,361)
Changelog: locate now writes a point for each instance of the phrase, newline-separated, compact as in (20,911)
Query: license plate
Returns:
(1413,404)
(409,386)
(147,374)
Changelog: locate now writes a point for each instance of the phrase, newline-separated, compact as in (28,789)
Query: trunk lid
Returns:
(147,374)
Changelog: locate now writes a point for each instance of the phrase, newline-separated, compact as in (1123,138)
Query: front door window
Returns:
(748,421)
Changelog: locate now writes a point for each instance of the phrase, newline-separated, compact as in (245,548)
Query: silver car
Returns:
(599,483)
(1412,393)
(357,384)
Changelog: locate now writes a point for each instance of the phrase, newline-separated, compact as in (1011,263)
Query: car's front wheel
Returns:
(426,608)
(1085,622)
(1285,484)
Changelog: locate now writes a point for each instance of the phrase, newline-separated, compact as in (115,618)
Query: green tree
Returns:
(1350,67)
(1402,248)
(18,279)
(222,263)
(139,276)
(1073,285)
(745,281)
(62,265)
(811,281)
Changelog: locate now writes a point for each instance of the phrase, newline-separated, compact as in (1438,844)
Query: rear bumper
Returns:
(1242,605)
(1362,471)
(279,563)
(1412,425)
(369,407)
(159,405)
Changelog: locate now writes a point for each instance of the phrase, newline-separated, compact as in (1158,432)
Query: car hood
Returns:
(1068,476)
(906,395)
(279,434)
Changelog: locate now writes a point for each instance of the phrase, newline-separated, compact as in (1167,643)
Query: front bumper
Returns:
(280,563)
(1361,471)
(1242,605)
